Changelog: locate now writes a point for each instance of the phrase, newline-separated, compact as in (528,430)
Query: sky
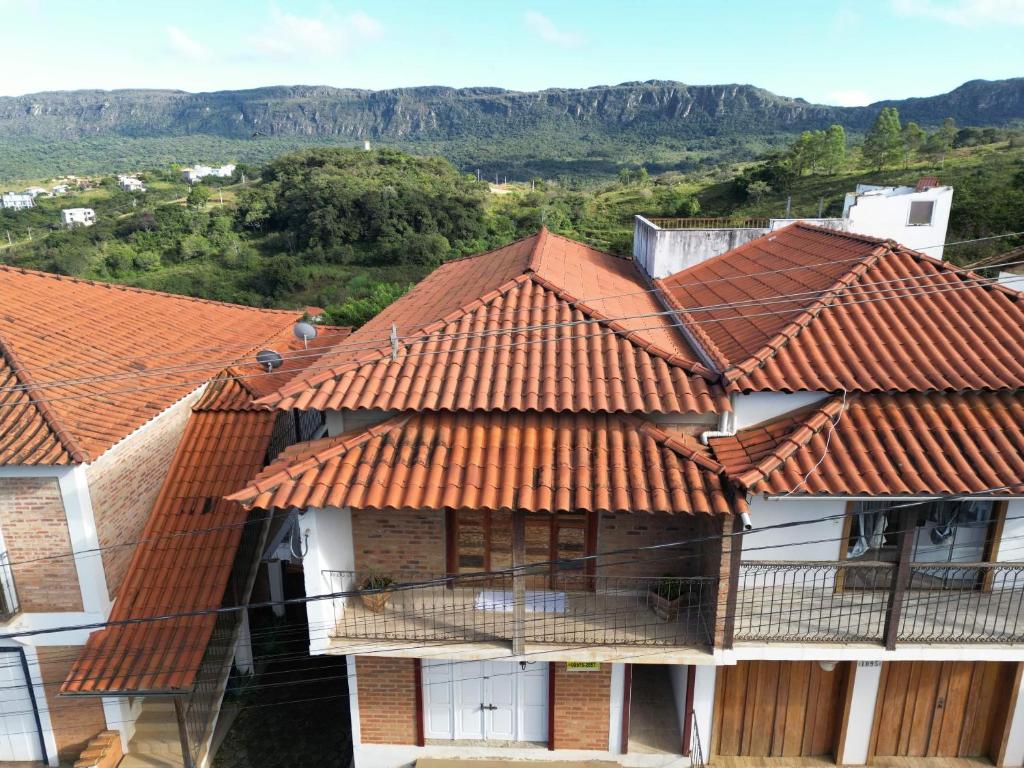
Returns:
(840,52)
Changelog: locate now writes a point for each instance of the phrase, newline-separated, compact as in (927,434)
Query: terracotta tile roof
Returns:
(540,462)
(943,332)
(514,296)
(188,546)
(886,445)
(56,329)
(183,562)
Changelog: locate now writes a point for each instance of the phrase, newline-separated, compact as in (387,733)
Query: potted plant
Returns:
(668,596)
(377,599)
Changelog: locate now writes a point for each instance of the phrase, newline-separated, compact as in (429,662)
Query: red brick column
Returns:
(582,702)
(387,700)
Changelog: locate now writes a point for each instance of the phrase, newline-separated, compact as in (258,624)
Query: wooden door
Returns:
(942,708)
(778,709)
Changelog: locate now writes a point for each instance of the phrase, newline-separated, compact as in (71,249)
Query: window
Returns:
(921,213)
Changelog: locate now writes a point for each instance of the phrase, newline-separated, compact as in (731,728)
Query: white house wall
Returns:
(885,215)
(329,540)
(759,407)
(814,539)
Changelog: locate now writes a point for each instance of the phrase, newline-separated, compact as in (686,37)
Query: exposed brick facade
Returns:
(405,540)
(76,720)
(35,528)
(627,531)
(387,699)
(124,482)
(582,701)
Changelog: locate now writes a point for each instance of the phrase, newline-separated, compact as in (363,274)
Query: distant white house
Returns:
(131,184)
(194,174)
(35,192)
(77,217)
(60,189)
(16,200)
(916,217)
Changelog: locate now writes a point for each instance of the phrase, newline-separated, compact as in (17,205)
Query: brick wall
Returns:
(717,563)
(582,701)
(76,720)
(124,482)
(405,540)
(626,531)
(387,699)
(34,526)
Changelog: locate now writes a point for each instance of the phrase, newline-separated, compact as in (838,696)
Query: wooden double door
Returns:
(943,708)
(779,709)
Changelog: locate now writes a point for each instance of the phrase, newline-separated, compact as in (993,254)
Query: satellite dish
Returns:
(304,330)
(269,359)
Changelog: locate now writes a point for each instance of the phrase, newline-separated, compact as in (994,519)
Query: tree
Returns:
(940,142)
(913,140)
(198,196)
(834,151)
(756,190)
(883,145)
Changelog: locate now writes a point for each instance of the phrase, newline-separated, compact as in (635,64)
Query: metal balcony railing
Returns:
(709,222)
(569,608)
(856,602)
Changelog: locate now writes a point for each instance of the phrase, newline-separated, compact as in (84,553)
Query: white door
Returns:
(19,735)
(485,700)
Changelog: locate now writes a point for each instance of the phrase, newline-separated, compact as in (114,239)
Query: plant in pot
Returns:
(668,596)
(379,595)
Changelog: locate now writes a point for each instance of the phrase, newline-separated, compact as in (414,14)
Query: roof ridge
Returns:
(66,439)
(535,253)
(136,289)
(792,329)
(617,327)
(808,423)
(964,272)
(334,446)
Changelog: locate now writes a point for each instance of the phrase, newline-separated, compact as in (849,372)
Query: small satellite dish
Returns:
(304,330)
(269,359)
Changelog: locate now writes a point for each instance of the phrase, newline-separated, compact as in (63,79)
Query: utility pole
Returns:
(30,233)
(789,204)
(9,241)
(821,206)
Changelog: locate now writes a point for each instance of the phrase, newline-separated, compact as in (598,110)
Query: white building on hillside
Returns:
(16,201)
(194,174)
(77,217)
(35,191)
(131,184)
(913,216)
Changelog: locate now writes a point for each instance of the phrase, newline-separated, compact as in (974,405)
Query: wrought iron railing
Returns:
(854,601)
(570,608)
(709,222)
(8,594)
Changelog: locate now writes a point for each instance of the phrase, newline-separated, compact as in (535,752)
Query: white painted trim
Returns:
(30,470)
(34,622)
(118,715)
(353,702)
(401,755)
(92,580)
(868,652)
(1015,738)
(615,693)
(866,679)
(704,707)
(42,705)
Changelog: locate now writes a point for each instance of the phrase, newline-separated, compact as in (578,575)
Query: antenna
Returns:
(394,341)
(269,359)
(304,331)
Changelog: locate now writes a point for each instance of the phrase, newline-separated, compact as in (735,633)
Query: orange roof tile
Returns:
(885,445)
(55,330)
(489,332)
(539,462)
(879,318)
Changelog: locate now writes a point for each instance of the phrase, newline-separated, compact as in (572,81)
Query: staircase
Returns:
(156,743)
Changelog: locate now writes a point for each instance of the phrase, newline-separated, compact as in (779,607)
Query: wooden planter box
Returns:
(664,608)
(377,601)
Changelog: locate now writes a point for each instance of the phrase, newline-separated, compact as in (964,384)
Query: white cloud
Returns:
(185,46)
(852,97)
(965,13)
(291,36)
(545,29)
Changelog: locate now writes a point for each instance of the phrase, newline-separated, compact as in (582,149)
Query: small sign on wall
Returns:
(582,666)
(869,663)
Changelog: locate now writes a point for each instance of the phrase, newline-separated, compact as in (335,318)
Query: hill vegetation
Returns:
(556,133)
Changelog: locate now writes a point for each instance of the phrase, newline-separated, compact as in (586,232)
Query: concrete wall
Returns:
(885,215)
(813,541)
(663,252)
(330,549)
(757,407)
(677,676)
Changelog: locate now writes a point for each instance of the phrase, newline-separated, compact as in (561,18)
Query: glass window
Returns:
(921,213)
(944,531)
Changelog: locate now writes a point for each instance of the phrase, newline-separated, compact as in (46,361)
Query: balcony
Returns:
(843,602)
(562,609)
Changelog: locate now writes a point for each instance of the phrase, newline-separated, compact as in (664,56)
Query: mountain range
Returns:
(654,121)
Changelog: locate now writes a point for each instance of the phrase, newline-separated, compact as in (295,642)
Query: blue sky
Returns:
(839,53)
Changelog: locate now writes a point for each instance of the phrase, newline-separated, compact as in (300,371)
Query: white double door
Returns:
(19,734)
(485,700)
